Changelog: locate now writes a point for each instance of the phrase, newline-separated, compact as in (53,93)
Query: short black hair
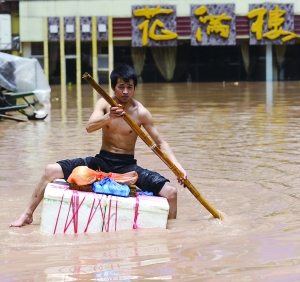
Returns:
(124,72)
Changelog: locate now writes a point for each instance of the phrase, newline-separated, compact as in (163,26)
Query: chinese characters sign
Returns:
(154,25)
(271,23)
(213,24)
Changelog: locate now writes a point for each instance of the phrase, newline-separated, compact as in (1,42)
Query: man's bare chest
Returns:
(119,127)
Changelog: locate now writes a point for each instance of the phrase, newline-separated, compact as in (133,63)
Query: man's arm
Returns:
(100,117)
(148,124)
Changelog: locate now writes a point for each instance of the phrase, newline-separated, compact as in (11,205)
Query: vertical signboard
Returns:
(154,25)
(102,28)
(70,28)
(53,29)
(213,24)
(271,24)
(86,28)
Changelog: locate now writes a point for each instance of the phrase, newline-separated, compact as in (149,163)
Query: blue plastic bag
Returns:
(108,186)
(146,193)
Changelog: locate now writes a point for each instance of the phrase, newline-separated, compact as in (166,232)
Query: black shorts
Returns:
(149,181)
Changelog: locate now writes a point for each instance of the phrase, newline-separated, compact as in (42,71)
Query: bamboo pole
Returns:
(153,147)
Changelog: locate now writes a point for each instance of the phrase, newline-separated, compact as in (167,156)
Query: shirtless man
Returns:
(118,144)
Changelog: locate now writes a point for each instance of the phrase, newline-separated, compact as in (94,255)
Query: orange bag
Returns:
(82,175)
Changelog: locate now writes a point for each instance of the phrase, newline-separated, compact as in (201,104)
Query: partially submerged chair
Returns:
(7,106)
(12,97)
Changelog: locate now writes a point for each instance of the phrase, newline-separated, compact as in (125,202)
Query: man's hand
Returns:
(116,112)
(181,179)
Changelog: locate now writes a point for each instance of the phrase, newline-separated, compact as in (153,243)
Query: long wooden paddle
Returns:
(153,146)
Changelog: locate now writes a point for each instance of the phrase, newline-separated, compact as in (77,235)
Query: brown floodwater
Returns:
(239,144)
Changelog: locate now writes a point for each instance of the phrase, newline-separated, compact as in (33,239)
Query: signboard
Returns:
(271,23)
(102,28)
(70,28)
(213,24)
(86,28)
(154,25)
(53,29)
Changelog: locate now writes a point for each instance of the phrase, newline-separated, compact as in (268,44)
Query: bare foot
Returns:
(24,219)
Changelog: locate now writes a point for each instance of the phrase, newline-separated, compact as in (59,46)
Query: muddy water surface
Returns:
(240,147)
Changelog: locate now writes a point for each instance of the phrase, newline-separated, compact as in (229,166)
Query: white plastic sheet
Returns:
(19,74)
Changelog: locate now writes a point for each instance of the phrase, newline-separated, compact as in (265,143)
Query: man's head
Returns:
(125,73)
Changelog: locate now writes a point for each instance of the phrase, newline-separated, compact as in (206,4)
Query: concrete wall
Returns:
(32,13)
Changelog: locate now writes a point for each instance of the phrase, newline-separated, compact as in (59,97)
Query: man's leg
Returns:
(52,171)
(170,193)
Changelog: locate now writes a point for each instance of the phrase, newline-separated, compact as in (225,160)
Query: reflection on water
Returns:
(239,144)
(269,94)
(118,262)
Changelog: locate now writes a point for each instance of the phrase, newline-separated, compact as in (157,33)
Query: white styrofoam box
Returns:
(71,211)
(135,212)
